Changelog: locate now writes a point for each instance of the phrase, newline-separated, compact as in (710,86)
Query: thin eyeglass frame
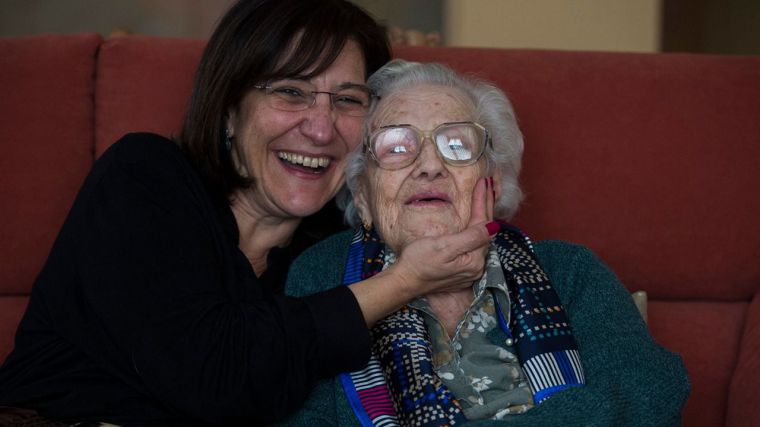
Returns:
(428,134)
(312,95)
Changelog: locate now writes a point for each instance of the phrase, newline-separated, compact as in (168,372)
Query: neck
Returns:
(449,307)
(260,232)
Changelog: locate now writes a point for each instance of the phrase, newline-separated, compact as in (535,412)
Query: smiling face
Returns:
(296,159)
(428,197)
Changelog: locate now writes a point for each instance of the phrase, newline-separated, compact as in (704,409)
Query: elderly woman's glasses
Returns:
(295,95)
(457,143)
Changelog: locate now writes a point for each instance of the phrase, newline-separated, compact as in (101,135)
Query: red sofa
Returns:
(651,160)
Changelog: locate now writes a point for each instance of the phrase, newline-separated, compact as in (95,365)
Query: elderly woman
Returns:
(547,334)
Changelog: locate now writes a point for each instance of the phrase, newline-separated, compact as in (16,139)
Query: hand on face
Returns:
(453,261)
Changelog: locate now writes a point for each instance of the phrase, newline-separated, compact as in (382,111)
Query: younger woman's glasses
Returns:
(297,95)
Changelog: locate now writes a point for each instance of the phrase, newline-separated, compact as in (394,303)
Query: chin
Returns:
(407,235)
(438,227)
(303,208)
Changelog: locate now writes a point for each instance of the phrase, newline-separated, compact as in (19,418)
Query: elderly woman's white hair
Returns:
(492,110)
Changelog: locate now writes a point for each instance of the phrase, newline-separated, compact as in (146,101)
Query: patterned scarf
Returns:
(399,386)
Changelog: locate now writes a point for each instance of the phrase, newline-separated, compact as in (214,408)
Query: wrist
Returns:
(382,294)
(402,284)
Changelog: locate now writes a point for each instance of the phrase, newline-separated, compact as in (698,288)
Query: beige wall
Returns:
(616,25)
(177,18)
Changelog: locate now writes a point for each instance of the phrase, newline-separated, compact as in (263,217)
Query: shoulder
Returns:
(150,161)
(143,173)
(144,149)
(333,248)
(141,152)
(320,267)
(559,253)
(575,269)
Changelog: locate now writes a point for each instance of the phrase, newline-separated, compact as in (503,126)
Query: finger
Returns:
(490,199)
(479,205)
(473,238)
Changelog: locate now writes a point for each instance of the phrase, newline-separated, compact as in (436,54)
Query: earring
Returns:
(366,224)
(228,139)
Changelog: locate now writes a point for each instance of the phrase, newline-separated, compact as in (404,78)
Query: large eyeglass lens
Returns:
(459,143)
(395,147)
(298,96)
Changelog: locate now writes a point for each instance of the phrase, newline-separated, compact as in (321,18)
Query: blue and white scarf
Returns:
(399,386)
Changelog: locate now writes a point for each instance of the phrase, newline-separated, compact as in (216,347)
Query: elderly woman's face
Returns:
(428,197)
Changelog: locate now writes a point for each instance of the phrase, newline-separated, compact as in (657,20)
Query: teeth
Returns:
(309,162)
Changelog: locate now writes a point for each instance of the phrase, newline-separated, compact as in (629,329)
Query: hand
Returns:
(432,264)
(451,262)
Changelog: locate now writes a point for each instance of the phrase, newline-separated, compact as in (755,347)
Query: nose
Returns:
(319,120)
(428,165)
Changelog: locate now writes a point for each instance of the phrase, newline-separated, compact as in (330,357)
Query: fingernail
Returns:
(493,227)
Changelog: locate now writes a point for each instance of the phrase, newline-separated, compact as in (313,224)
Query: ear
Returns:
(230,122)
(362,204)
(235,151)
(496,184)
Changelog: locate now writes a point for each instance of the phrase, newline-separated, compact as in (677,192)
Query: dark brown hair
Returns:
(251,45)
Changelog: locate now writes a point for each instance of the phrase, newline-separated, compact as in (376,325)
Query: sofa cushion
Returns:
(707,335)
(650,160)
(46,86)
(143,86)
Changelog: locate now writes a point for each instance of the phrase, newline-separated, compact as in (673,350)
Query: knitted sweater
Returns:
(630,379)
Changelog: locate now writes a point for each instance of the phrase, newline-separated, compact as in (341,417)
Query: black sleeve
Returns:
(168,304)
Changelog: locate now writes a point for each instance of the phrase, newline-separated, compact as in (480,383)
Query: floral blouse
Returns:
(478,363)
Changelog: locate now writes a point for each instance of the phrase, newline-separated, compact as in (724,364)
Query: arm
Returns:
(317,269)
(169,305)
(630,379)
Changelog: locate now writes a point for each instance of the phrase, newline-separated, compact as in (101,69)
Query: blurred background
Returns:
(702,26)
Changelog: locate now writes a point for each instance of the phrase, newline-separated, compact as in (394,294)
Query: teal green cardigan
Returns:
(630,379)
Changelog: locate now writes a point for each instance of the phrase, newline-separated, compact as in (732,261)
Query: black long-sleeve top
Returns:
(147,313)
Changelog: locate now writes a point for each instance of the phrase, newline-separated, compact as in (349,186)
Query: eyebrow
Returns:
(344,85)
(349,85)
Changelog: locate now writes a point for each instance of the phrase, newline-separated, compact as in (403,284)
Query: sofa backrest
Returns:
(650,160)
(46,89)
(143,84)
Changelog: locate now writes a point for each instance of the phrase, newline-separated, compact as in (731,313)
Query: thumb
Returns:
(479,203)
